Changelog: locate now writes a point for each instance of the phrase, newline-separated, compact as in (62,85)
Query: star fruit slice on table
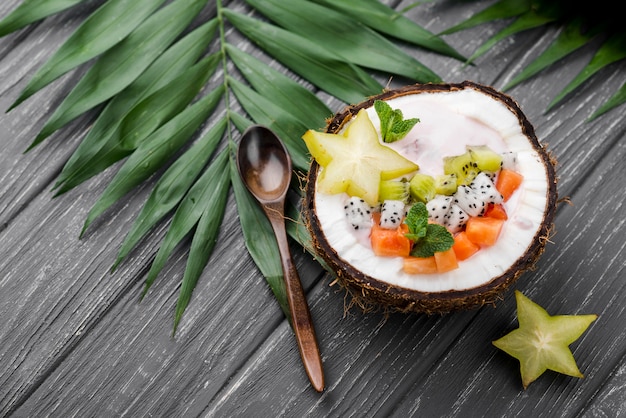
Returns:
(542,341)
(355,161)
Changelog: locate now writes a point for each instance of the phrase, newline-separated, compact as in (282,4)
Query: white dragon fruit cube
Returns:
(438,208)
(456,218)
(470,201)
(391,214)
(358,213)
(486,189)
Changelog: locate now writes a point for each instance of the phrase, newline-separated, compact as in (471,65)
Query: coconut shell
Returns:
(369,292)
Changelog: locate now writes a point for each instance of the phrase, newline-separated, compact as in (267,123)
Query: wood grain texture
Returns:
(76,341)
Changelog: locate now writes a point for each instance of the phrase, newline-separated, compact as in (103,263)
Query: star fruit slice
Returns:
(542,341)
(355,161)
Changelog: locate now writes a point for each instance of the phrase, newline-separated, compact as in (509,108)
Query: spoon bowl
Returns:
(264,164)
(265,168)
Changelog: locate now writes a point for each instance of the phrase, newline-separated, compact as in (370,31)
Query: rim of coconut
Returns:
(369,292)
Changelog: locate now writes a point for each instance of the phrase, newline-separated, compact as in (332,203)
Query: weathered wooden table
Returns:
(76,341)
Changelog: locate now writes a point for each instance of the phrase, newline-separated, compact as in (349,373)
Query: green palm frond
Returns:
(118,67)
(91,39)
(528,20)
(158,85)
(503,9)
(612,50)
(351,39)
(31,11)
(569,40)
(105,142)
(617,99)
(578,27)
(386,20)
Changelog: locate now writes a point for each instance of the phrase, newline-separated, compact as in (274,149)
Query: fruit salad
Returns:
(448,204)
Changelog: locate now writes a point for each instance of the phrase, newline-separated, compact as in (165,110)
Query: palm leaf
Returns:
(205,236)
(241,122)
(171,187)
(611,51)
(119,67)
(579,30)
(386,20)
(101,147)
(351,40)
(617,99)
(189,212)
(32,11)
(284,91)
(503,9)
(152,153)
(570,39)
(105,28)
(316,64)
(528,20)
(149,115)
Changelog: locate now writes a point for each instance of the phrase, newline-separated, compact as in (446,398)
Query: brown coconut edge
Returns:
(370,293)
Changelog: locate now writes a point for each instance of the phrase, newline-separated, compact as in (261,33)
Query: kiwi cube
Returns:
(422,187)
(393,190)
(445,184)
(462,166)
(485,158)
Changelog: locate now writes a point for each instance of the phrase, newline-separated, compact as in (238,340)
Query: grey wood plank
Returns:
(23,176)
(54,287)
(610,400)
(130,365)
(368,358)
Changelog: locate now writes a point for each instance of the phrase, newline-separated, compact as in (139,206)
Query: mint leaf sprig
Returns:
(427,238)
(393,126)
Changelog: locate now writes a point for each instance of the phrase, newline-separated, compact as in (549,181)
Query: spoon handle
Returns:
(300,315)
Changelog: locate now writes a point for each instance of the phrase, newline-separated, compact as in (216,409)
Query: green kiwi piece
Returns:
(445,184)
(485,158)
(462,166)
(393,190)
(422,187)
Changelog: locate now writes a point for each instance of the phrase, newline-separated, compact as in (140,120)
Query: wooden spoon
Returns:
(265,168)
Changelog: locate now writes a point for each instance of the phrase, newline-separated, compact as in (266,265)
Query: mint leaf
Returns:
(417,221)
(428,238)
(385,114)
(400,128)
(437,239)
(393,126)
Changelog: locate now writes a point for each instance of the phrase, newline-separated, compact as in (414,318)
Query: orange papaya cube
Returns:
(507,182)
(483,231)
(390,242)
(420,265)
(446,261)
(496,210)
(463,247)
